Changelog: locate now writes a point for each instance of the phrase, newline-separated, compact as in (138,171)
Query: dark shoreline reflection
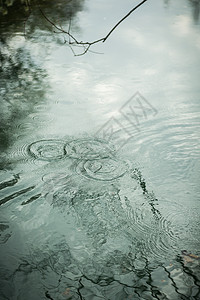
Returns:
(24,82)
(22,86)
(195,6)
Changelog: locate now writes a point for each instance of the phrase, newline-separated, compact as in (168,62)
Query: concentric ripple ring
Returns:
(47,149)
(106,169)
(89,149)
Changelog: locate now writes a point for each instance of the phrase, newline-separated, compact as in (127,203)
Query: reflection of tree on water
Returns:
(195,9)
(58,11)
(61,268)
(22,86)
(99,239)
(29,12)
(60,278)
(195,4)
(7,6)
(23,83)
(12,8)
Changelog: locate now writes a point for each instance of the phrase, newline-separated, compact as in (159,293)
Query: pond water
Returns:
(100,156)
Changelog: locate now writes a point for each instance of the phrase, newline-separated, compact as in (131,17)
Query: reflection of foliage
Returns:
(19,74)
(21,87)
(26,17)
(13,9)
(58,275)
(60,11)
(195,5)
(6,5)
(22,84)
(195,9)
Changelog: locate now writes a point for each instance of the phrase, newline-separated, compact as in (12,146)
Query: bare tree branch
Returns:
(126,16)
(85,45)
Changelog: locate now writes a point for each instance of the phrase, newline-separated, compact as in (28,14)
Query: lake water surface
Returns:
(100,154)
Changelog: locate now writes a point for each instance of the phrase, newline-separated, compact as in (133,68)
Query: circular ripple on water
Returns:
(160,241)
(182,219)
(106,169)
(89,149)
(153,231)
(18,153)
(47,149)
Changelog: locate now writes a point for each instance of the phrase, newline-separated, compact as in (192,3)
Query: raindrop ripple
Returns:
(47,149)
(106,169)
(89,149)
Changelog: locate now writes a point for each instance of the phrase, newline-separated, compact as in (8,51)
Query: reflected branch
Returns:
(72,41)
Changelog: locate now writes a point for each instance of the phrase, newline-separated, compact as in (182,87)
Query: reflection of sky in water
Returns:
(154,51)
(148,46)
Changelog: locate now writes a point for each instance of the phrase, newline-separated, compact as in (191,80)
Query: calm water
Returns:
(99,180)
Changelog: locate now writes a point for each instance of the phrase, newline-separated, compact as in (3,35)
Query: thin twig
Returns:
(58,28)
(126,16)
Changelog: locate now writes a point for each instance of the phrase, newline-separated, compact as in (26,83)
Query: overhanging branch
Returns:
(86,45)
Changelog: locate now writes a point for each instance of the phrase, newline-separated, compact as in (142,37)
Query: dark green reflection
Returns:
(22,86)
(195,8)
(24,83)
(195,4)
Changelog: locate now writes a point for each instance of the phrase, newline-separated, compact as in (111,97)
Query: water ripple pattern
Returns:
(107,169)
(47,149)
(89,149)
(113,221)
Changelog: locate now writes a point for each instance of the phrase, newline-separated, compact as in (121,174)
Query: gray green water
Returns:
(99,180)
